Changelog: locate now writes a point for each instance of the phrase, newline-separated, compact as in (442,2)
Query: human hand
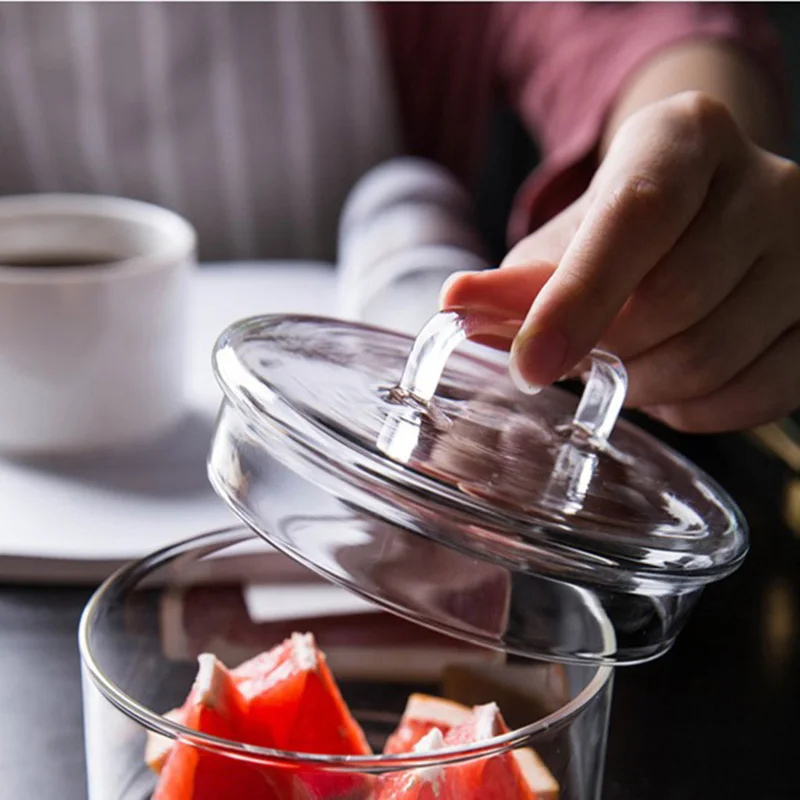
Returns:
(683,257)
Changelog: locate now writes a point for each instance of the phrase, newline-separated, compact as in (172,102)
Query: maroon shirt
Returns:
(561,65)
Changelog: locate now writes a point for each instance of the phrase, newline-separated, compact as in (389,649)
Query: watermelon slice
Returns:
(159,747)
(423,713)
(493,778)
(535,774)
(293,702)
(215,707)
(285,699)
(426,783)
(518,775)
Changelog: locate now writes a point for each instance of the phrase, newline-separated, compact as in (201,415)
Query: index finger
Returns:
(651,185)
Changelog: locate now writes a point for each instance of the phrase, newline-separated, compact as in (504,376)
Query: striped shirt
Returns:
(255,119)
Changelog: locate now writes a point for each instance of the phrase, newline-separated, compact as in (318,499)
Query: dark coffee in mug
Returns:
(54,261)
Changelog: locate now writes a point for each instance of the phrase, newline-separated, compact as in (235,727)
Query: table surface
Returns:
(716,717)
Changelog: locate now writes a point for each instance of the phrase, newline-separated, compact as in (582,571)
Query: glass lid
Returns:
(440,444)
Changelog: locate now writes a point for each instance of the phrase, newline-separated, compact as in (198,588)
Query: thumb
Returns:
(508,292)
(511,290)
(550,242)
(524,271)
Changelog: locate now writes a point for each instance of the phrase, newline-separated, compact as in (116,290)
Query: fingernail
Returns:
(519,381)
(539,358)
(450,280)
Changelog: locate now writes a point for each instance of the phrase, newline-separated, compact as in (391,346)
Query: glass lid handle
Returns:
(605,376)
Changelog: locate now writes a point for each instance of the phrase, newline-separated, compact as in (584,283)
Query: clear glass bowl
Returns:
(226,592)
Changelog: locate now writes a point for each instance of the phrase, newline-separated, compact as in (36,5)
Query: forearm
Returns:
(715,69)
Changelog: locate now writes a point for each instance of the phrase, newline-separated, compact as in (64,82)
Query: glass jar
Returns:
(143,630)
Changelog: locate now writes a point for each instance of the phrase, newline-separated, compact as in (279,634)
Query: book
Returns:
(361,642)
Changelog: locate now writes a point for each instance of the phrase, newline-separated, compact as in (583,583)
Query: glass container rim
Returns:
(159,724)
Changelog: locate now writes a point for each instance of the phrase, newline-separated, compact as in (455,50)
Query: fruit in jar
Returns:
(293,702)
(423,713)
(158,747)
(516,775)
(535,774)
(287,699)
(425,783)
(215,707)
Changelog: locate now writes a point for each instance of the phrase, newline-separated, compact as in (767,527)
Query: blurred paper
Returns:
(302,601)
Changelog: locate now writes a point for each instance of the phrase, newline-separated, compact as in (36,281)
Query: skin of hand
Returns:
(683,257)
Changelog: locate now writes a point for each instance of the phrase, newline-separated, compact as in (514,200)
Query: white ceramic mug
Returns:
(91,357)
